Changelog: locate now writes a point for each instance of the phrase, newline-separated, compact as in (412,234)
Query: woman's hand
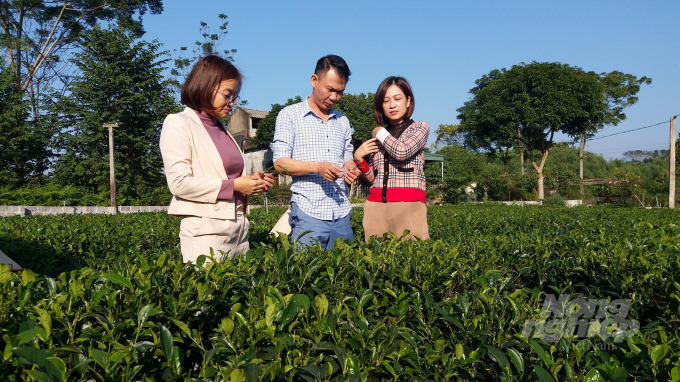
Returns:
(251,184)
(368,147)
(350,172)
(267,178)
(375,131)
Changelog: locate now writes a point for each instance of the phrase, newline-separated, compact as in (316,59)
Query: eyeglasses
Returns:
(233,99)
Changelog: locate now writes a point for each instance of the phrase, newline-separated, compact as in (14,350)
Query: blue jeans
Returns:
(325,231)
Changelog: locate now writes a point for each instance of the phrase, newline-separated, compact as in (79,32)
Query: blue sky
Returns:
(442,47)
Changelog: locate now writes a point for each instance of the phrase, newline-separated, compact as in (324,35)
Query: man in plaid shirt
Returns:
(312,143)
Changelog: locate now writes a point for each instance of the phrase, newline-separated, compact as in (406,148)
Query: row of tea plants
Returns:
(107,298)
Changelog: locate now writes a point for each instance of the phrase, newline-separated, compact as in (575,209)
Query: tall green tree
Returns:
(447,135)
(121,81)
(528,104)
(210,43)
(267,126)
(620,92)
(23,151)
(38,34)
(358,108)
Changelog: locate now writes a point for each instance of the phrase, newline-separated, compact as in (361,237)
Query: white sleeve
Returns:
(382,135)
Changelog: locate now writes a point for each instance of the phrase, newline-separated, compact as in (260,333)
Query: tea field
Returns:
(107,298)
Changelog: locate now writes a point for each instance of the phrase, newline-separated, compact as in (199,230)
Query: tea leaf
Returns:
(322,304)
(45,320)
(675,374)
(499,356)
(182,326)
(5,274)
(143,315)
(27,276)
(237,375)
(657,353)
(118,279)
(541,353)
(543,375)
(167,343)
(593,376)
(289,313)
(252,372)
(40,357)
(227,325)
(517,360)
(270,314)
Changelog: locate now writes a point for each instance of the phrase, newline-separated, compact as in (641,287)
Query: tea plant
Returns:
(107,298)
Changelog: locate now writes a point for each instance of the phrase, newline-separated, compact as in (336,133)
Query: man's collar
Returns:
(306,110)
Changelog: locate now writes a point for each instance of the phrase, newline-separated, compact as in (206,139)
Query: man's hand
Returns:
(375,131)
(351,172)
(329,171)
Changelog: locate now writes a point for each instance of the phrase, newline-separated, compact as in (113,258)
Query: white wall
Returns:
(256,161)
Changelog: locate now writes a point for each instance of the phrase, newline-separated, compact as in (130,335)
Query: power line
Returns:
(631,130)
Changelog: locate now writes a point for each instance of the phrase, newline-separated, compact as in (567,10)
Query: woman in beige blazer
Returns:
(204,166)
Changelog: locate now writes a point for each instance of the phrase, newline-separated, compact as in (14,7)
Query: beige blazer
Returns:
(193,168)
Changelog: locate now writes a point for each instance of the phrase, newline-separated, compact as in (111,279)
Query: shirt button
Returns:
(216,207)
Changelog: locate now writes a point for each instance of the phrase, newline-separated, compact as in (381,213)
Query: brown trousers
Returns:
(395,217)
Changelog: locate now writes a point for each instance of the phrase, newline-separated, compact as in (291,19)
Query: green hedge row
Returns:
(57,195)
(108,298)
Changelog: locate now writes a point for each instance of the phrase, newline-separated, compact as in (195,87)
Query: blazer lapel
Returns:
(207,143)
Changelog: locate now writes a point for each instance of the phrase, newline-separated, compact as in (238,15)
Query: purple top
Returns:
(231,158)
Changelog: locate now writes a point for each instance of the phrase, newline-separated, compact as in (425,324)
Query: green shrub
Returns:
(279,195)
(449,308)
(555,199)
(57,195)
(51,195)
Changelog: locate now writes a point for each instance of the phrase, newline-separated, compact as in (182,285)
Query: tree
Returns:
(267,126)
(641,156)
(527,105)
(620,92)
(212,39)
(121,81)
(23,152)
(38,33)
(359,110)
(448,135)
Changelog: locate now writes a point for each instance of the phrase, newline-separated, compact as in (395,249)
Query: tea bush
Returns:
(280,194)
(555,199)
(107,298)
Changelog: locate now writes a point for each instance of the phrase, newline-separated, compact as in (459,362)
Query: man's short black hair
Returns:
(334,62)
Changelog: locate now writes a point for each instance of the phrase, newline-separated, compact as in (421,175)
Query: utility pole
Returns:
(112,177)
(671,188)
(581,150)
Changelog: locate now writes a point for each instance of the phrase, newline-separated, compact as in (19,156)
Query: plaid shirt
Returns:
(302,135)
(406,161)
